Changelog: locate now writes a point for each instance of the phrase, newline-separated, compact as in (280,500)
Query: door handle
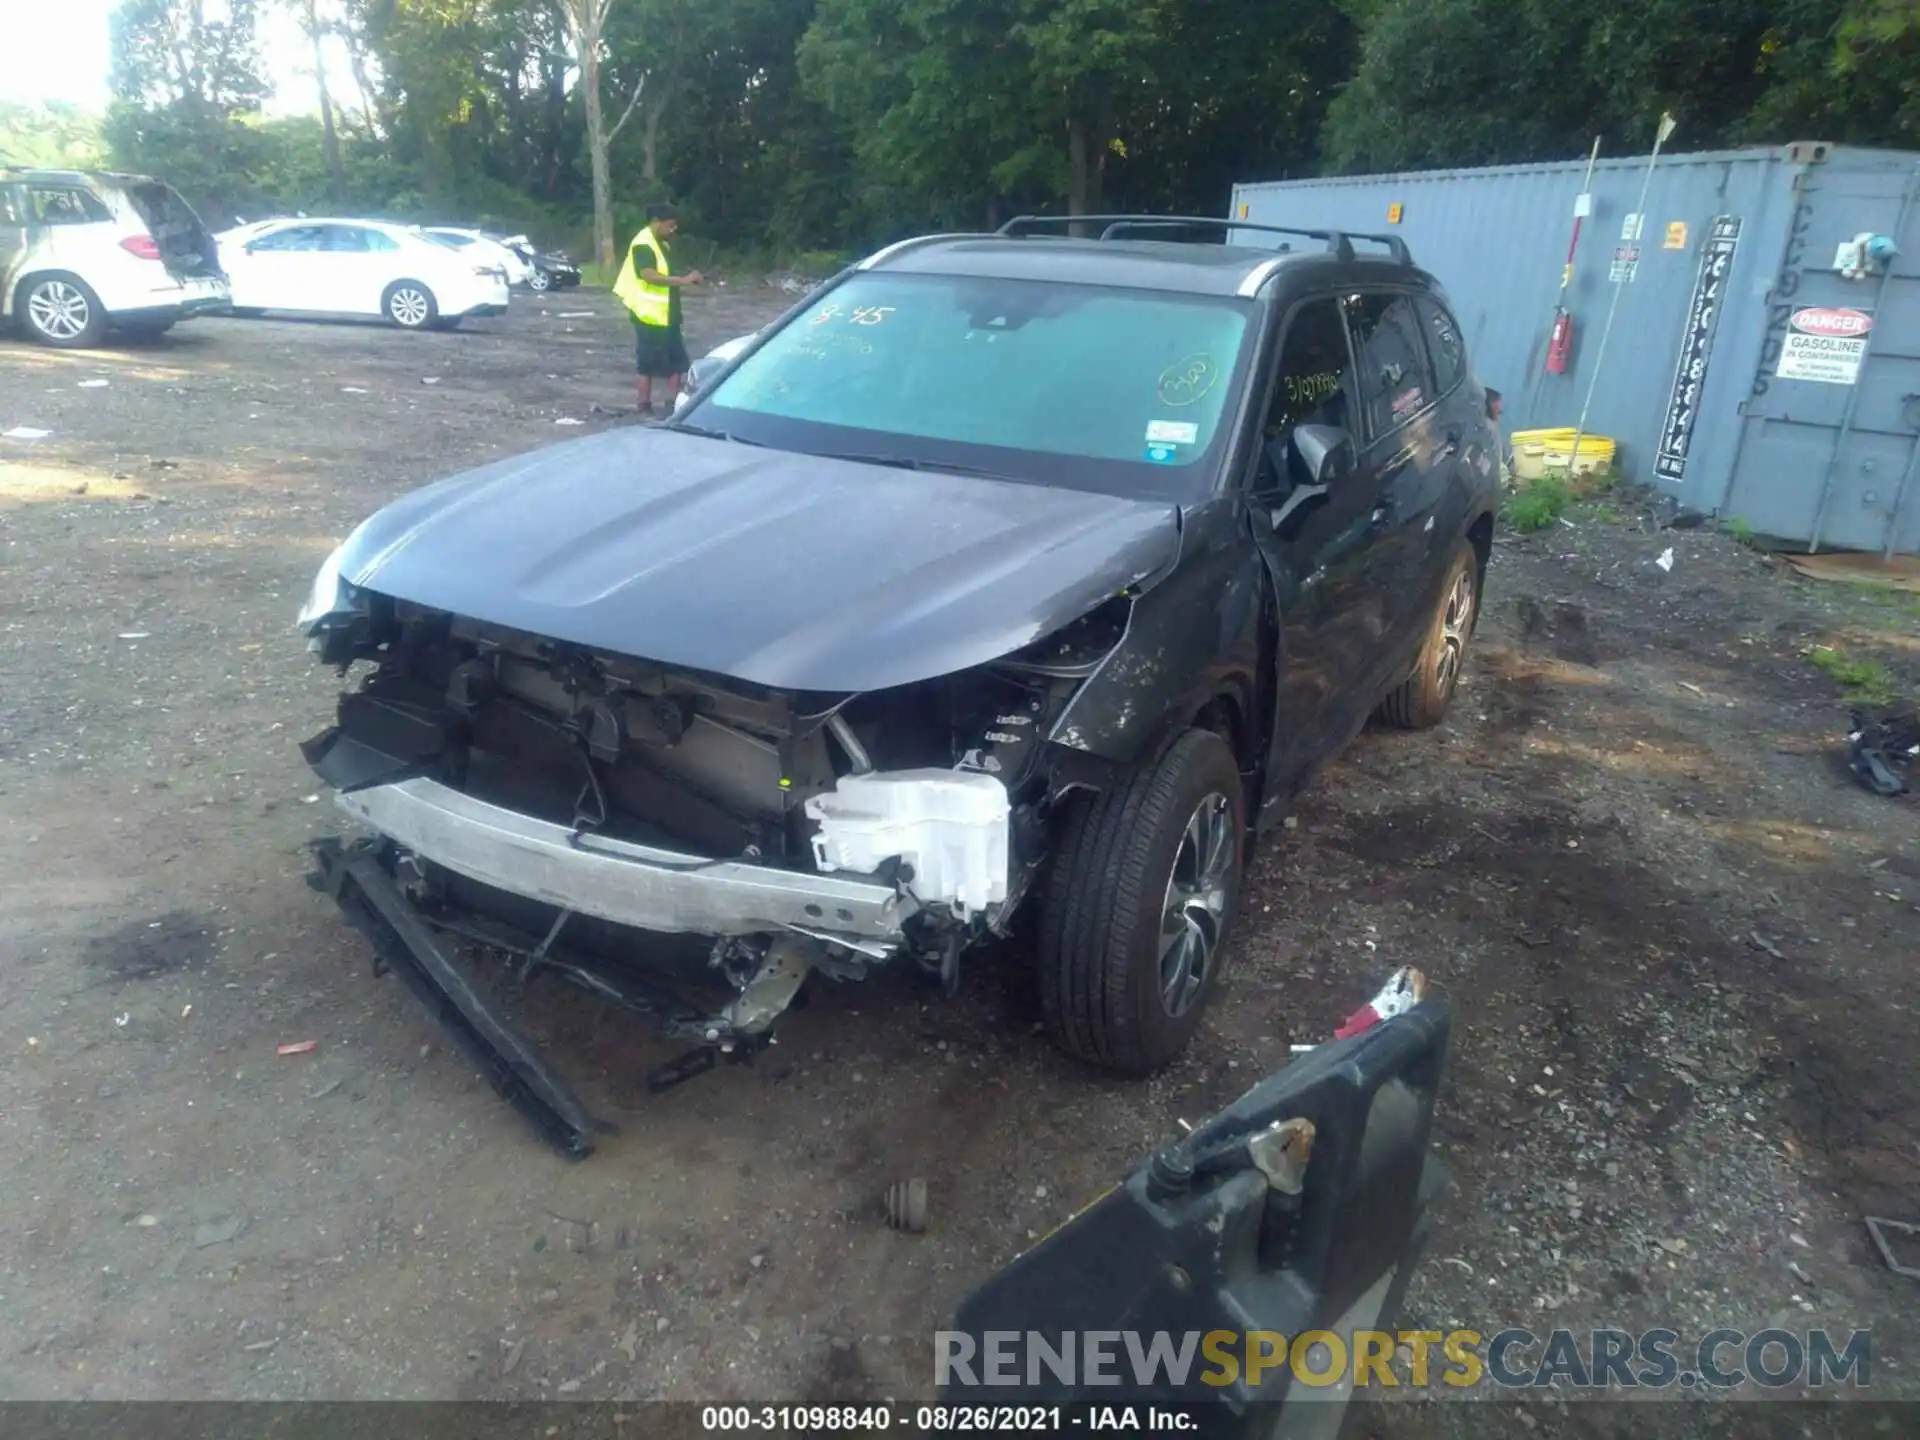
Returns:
(1382,513)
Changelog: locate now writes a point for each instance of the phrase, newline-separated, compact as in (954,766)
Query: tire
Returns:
(1420,701)
(539,281)
(410,305)
(1128,859)
(60,310)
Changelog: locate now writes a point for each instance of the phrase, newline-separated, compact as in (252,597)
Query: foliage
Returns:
(1867,683)
(53,134)
(1741,529)
(1536,504)
(1471,82)
(784,126)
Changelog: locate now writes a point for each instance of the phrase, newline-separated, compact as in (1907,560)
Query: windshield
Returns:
(1122,391)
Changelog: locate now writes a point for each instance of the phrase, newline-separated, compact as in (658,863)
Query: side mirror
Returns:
(1323,453)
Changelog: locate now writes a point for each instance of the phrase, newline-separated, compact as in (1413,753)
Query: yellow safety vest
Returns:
(650,304)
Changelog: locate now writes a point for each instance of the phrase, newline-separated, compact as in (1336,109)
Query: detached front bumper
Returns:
(616,880)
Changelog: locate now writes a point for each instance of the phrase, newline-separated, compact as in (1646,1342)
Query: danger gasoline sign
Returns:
(1825,345)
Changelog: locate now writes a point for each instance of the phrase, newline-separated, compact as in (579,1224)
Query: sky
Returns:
(76,32)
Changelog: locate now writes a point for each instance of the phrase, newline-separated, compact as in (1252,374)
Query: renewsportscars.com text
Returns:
(1511,1359)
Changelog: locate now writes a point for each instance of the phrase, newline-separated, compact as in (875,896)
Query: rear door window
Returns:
(294,237)
(1444,345)
(65,205)
(1395,383)
(346,240)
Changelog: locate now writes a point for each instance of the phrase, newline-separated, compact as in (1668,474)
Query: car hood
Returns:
(786,570)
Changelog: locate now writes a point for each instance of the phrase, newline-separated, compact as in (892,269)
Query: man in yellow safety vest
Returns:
(650,290)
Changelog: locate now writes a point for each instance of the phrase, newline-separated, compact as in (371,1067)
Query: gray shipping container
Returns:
(1745,376)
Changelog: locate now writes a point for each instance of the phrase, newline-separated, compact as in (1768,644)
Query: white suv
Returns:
(82,253)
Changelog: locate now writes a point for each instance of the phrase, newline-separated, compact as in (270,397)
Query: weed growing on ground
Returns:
(1867,683)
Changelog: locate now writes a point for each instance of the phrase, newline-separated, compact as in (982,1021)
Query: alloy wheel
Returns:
(1195,911)
(409,307)
(58,310)
(538,280)
(1455,622)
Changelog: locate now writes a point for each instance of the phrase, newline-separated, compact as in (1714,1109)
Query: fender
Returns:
(1191,642)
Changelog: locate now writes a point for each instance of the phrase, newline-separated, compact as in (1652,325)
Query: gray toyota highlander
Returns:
(1001,589)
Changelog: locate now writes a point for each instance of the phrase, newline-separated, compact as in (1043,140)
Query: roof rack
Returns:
(1337,242)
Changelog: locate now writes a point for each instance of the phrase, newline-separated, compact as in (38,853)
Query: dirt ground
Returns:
(1679,942)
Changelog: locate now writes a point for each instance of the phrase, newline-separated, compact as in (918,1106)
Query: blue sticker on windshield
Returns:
(1163,454)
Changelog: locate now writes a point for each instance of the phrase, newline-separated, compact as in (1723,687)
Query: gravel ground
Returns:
(1677,939)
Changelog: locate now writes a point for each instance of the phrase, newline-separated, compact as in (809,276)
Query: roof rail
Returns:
(1337,242)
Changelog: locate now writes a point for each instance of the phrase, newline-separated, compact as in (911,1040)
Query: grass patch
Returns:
(1536,504)
(1867,683)
(1741,531)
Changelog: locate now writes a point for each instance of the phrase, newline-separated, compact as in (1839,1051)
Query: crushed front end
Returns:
(691,847)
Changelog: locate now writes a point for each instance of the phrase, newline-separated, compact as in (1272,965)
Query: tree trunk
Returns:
(1079,169)
(553,152)
(597,150)
(650,142)
(329,136)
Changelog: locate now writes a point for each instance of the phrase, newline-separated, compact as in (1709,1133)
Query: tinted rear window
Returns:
(65,205)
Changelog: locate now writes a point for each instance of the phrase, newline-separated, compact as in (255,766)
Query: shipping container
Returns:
(1751,372)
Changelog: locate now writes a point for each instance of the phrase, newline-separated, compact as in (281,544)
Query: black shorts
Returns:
(659,350)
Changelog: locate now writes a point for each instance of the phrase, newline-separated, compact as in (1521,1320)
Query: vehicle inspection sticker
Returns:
(1185,381)
(1172,432)
(1163,454)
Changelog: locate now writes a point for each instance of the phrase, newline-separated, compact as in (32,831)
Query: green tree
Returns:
(184,83)
(54,134)
(1475,82)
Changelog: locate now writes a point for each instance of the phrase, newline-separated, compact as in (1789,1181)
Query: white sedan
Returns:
(358,267)
(486,249)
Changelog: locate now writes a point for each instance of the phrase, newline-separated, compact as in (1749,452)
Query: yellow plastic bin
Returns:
(1535,452)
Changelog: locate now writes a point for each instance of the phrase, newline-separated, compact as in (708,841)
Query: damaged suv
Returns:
(1007,578)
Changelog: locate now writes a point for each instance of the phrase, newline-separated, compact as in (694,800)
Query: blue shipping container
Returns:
(1745,375)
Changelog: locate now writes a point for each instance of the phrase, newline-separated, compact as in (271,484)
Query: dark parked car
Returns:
(1008,578)
(548,269)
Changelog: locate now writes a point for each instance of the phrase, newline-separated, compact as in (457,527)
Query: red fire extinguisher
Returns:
(1560,346)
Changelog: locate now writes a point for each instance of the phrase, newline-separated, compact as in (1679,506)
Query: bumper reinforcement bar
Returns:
(405,943)
(617,880)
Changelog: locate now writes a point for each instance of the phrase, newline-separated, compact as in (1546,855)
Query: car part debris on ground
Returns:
(907,1205)
(1883,753)
(1879,1228)
(1304,1206)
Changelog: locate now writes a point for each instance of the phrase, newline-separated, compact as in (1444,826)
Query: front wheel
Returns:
(1134,924)
(539,280)
(1420,701)
(410,305)
(61,311)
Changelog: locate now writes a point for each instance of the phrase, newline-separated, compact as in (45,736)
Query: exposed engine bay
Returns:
(552,801)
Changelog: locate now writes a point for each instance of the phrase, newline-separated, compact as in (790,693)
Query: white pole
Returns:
(1613,308)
